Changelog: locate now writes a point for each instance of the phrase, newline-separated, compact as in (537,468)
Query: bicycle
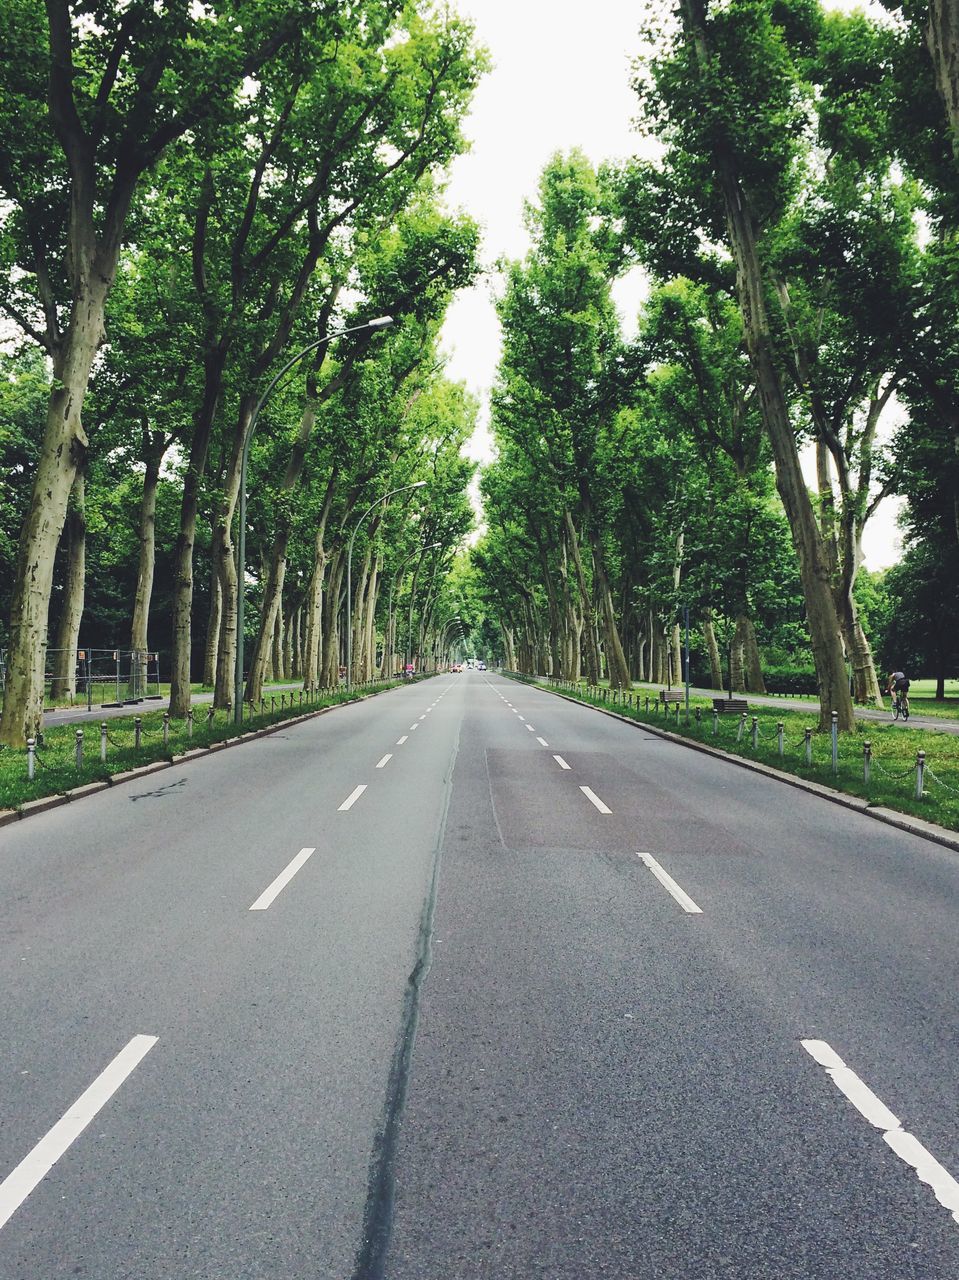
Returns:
(900,705)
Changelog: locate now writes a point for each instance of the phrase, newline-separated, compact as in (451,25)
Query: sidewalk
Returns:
(812,706)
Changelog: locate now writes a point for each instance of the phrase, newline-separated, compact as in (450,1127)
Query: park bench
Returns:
(671,695)
(737,705)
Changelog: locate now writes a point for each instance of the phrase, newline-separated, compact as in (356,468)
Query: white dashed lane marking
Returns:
(594,799)
(352,798)
(670,885)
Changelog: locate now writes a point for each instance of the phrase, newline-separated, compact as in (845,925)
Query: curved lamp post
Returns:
(381,322)
(417,484)
(389,609)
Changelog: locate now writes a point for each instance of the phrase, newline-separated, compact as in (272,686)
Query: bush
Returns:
(791,680)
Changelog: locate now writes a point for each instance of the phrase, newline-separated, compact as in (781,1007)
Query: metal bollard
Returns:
(755,732)
(780,729)
(282,701)
(647,706)
(715,722)
(209,716)
(103,741)
(79,748)
(189,723)
(920,772)
(808,733)
(31,757)
(137,732)
(741,727)
(866,762)
(229,711)
(272,705)
(301,699)
(699,715)
(166,728)
(835,742)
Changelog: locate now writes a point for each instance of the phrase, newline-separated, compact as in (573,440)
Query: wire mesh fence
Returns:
(95,677)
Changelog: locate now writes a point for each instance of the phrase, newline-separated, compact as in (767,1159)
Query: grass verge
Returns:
(892,782)
(56,768)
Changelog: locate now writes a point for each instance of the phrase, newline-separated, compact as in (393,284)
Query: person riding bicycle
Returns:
(898,687)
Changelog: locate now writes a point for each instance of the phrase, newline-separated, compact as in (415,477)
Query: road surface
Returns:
(469,981)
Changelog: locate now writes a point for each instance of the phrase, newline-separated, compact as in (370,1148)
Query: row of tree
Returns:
(799,229)
(194,196)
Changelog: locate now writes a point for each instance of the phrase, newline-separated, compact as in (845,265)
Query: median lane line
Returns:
(386,759)
(400,741)
(35,1166)
(413,726)
(907,1147)
(670,885)
(531,729)
(593,798)
(561,762)
(282,880)
(542,742)
(352,798)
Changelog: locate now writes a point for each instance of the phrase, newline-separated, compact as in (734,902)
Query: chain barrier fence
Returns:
(738,729)
(140,742)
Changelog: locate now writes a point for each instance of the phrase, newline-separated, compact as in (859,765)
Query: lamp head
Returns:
(381,322)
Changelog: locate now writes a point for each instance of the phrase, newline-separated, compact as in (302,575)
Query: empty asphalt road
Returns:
(469,981)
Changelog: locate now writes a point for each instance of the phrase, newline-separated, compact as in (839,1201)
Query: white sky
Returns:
(560,79)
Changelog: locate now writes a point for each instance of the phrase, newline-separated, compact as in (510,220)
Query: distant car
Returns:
(481,666)
(455,668)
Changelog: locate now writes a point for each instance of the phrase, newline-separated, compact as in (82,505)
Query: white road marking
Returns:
(400,741)
(386,759)
(35,1166)
(593,798)
(542,742)
(352,798)
(521,717)
(423,717)
(282,880)
(531,729)
(561,762)
(670,885)
(907,1147)
(413,726)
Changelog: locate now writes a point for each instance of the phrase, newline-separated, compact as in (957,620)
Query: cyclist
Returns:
(898,689)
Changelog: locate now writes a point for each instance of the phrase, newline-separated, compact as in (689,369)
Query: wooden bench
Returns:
(671,695)
(737,705)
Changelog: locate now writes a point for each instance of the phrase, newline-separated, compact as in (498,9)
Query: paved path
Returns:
(466,981)
(804,704)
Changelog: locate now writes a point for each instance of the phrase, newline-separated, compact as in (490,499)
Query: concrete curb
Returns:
(903,821)
(31,807)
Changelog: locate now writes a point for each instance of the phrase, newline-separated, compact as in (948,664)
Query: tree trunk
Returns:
(331,614)
(183,555)
(751,657)
(139,628)
(737,669)
(63,450)
(712,649)
(212,648)
(586,601)
(821,616)
(615,656)
(68,632)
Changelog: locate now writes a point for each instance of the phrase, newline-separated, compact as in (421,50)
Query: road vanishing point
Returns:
(467,981)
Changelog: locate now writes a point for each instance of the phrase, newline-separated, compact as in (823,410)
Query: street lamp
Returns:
(381,322)
(399,577)
(417,484)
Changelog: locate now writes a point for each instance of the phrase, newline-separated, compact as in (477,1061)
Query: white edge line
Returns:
(593,798)
(404,738)
(906,1146)
(542,742)
(352,798)
(380,764)
(34,1167)
(670,885)
(561,762)
(282,880)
